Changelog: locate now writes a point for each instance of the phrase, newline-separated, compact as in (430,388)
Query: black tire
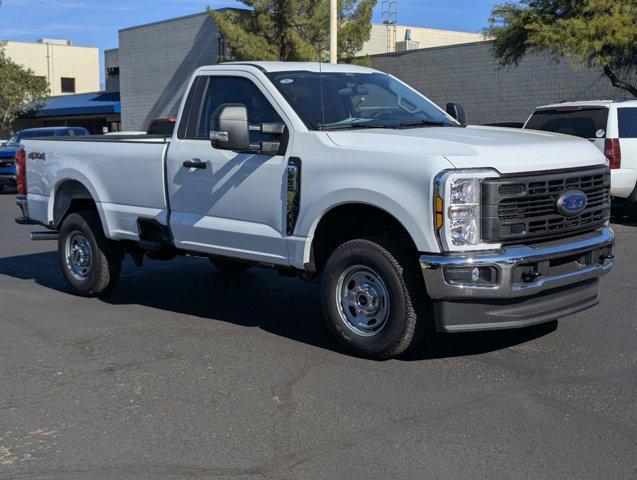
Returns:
(228,266)
(1,188)
(408,315)
(104,266)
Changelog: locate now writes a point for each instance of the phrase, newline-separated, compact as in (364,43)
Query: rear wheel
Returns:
(373,298)
(228,266)
(90,262)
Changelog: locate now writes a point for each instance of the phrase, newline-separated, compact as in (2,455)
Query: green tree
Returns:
(20,90)
(600,33)
(293,30)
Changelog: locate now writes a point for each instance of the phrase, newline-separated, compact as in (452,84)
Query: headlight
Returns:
(457,215)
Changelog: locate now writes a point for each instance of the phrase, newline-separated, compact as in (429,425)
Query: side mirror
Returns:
(229,128)
(456,111)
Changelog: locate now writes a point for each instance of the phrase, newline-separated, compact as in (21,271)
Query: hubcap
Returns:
(363,301)
(78,255)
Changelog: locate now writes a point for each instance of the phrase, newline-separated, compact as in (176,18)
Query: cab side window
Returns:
(222,90)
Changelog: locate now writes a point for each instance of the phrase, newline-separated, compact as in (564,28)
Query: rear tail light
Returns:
(613,152)
(21,171)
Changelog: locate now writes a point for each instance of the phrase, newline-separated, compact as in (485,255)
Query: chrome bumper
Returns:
(598,245)
(8,179)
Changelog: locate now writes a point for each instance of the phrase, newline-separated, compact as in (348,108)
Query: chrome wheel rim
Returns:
(362,300)
(78,255)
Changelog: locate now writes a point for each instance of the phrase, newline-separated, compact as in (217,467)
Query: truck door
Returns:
(229,203)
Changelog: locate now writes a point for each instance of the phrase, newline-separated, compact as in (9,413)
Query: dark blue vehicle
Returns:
(9,149)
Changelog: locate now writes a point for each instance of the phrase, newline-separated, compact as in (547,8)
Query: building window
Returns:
(68,85)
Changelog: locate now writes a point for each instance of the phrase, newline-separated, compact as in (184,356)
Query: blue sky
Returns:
(96,22)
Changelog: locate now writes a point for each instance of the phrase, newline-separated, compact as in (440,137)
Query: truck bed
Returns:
(125,175)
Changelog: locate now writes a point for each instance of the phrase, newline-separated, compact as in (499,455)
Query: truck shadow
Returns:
(259,298)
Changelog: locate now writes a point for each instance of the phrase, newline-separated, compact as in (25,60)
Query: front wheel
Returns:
(90,262)
(373,298)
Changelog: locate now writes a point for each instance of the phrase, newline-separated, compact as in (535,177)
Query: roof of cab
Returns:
(587,103)
(302,67)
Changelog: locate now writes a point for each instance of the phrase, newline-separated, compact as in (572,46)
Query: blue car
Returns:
(9,149)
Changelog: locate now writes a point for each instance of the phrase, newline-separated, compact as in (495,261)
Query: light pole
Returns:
(333,31)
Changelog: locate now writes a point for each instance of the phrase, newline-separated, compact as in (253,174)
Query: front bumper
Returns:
(7,179)
(531,284)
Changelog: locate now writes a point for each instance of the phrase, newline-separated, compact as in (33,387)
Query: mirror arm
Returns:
(272,128)
(270,147)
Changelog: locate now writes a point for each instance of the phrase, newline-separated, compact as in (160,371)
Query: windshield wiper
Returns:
(356,125)
(425,123)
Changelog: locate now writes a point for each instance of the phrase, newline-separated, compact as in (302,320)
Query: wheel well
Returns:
(350,221)
(71,197)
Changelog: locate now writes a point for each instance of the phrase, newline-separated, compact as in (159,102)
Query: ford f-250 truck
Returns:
(411,221)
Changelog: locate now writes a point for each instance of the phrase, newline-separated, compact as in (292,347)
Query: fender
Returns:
(64,176)
(315,212)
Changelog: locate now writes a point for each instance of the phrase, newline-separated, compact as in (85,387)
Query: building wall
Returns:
(489,93)
(111,70)
(56,61)
(156,62)
(426,37)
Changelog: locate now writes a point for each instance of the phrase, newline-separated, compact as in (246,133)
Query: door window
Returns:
(234,90)
(627,122)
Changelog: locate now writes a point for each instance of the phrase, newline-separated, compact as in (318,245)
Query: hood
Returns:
(505,149)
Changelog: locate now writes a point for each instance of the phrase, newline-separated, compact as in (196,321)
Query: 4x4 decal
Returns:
(37,156)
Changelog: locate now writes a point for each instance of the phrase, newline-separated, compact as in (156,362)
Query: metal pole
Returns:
(333,31)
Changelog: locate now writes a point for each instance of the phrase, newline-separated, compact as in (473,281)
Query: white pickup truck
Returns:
(412,221)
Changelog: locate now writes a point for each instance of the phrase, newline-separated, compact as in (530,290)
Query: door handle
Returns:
(194,164)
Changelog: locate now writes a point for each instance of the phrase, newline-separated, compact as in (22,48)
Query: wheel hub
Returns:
(78,255)
(363,300)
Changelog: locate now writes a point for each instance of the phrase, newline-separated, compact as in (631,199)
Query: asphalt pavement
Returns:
(184,373)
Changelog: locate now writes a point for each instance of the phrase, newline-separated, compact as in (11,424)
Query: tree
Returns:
(600,33)
(20,90)
(293,30)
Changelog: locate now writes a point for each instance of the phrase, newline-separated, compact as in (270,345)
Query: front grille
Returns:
(6,163)
(524,209)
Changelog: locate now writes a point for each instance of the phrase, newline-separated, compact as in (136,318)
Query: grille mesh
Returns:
(520,209)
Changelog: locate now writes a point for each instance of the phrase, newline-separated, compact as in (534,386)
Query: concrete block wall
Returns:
(490,93)
(156,62)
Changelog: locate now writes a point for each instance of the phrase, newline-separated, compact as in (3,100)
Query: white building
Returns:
(380,40)
(68,68)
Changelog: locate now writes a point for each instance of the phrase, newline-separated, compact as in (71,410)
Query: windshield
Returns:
(15,140)
(351,100)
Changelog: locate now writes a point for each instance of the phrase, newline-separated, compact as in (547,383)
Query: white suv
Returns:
(609,124)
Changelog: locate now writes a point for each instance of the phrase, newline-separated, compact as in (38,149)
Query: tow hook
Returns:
(530,277)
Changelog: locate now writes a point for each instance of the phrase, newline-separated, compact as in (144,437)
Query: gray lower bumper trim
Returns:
(475,315)
(507,260)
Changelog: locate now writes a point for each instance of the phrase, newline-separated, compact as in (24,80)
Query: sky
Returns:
(96,22)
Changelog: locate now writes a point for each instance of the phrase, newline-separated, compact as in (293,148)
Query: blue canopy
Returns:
(80,104)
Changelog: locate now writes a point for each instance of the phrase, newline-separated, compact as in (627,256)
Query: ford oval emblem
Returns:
(572,203)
